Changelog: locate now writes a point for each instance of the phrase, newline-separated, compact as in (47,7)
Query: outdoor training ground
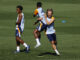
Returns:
(68,32)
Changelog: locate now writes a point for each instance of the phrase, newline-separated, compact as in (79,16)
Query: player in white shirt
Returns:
(42,26)
(50,31)
(19,30)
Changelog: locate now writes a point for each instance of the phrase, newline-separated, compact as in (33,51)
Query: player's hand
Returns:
(36,22)
(17,23)
(45,15)
(39,19)
(34,15)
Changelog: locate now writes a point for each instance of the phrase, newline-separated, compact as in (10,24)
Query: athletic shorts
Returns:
(18,31)
(41,27)
(51,37)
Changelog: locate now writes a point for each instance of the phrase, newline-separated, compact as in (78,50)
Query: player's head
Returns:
(39,4)
(19,9)
(49,13)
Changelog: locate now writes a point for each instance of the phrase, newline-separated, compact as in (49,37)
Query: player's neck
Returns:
(38,7)
(20,13)
(50,17)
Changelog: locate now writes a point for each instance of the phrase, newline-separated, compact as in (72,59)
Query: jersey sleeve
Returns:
(35,12)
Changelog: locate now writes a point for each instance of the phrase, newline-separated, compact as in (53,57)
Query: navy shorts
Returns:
(51,37)
(41,27)
(18,31)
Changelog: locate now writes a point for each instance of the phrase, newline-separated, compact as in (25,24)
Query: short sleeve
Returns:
(35,12)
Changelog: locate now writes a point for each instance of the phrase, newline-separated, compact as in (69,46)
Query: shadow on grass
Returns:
(47,53)
(23,50)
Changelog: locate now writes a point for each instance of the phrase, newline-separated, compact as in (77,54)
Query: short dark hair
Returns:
(20,7)
(39,4)
(49,10)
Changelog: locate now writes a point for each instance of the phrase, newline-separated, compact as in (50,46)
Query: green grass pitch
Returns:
(68,34)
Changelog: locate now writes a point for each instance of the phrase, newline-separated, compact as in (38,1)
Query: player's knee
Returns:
(55,42)
(35,31)
(18,43)
(52,42)
(17,38)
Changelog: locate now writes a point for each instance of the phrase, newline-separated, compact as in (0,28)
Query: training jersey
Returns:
(50,28)
(21,25)
(40,13)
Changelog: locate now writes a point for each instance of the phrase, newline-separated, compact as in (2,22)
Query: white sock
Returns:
(25,45)
(57,52)
(18,48)
(37,40)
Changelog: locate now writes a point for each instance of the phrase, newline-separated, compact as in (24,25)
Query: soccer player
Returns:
(50,31)
(40,14)
(19,29)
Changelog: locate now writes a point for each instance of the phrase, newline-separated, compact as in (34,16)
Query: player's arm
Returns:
(36,22)
(49,22)
(39,19)
(19,20)
(34,15)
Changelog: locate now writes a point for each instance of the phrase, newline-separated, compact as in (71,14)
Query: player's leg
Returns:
(55,42)
(18,46)
(37,34)
(37,37)
(23,43)
(20,41)
(52,38)
(54,47)
(17,43)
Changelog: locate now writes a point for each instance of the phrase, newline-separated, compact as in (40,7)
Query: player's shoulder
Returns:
(52,17)
(36,9)
(41,8)
(20,15)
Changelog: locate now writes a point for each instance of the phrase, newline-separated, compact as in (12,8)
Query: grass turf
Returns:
(68,34)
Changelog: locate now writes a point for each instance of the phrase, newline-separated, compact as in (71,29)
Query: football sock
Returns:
(18,48)
(25,45)
(57,52)
(37,40)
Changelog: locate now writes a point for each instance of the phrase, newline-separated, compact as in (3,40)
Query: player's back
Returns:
(40,12)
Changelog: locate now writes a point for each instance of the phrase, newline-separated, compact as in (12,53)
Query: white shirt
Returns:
(22,22)
(50,28)
(41,14)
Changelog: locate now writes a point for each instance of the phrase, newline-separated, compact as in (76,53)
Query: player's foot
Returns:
(58,54)
(37,45)
(16,52)
(27,49)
